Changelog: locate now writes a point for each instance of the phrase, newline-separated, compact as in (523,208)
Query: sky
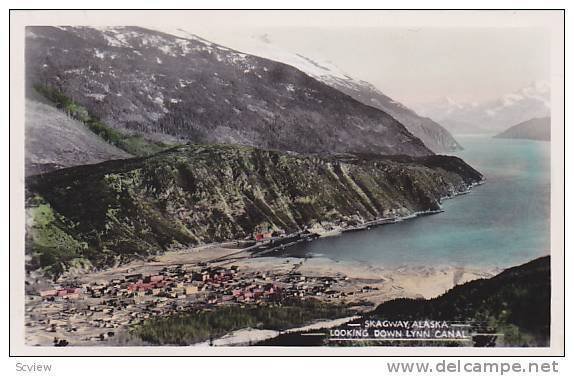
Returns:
(414,58)
(419,65)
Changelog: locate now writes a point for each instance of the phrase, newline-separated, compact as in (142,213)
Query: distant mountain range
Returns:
(434,136)
(493,116)
(131,81)
(533,129)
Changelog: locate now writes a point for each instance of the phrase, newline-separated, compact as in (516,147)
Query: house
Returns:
(48,293)
(191,290)
(134,277)
(263,235)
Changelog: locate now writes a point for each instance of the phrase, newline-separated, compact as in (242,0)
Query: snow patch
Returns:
(97,53)
(166,49)
(73,71)
(96,96)
(113,42)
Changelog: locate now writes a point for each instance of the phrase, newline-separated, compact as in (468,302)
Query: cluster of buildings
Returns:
(67,293)
(216,285)
(93,311)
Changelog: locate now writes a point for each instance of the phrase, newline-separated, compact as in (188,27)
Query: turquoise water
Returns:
(503,222)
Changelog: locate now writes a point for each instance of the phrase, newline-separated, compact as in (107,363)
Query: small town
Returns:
(75,313)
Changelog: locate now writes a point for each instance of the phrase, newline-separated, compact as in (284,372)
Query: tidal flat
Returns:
(112,302)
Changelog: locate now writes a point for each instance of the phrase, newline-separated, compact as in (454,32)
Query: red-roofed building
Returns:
(263,235)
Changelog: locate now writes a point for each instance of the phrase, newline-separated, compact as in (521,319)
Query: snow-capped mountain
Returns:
(493,116)
(157,85)
(434,136)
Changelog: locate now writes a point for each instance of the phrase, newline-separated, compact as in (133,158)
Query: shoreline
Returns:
(319,231)
(396,219)
(360,285)
(308,234)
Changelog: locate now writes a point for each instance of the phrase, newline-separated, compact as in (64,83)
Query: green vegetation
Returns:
(515,303)
(51,247)
(137,207)
(133,144)
(191,327)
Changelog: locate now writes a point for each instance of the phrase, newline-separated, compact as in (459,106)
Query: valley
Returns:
(180,192)
(98,215)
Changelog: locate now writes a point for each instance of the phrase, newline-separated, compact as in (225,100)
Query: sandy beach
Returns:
(361,282)
(398,282)
(86,321)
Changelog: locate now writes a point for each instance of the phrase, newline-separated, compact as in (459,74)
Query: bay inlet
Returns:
(501,223)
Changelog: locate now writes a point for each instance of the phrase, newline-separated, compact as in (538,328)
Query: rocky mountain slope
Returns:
(55,140)
(434,136)
(493,116)
(533,129)
(171,89)
(114,211)
(514,303)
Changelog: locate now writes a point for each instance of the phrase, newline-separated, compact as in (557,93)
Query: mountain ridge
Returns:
(511,309)
(167,88)
(533,129)
(433,135)
(55,140)
(119,210)
(492,116)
